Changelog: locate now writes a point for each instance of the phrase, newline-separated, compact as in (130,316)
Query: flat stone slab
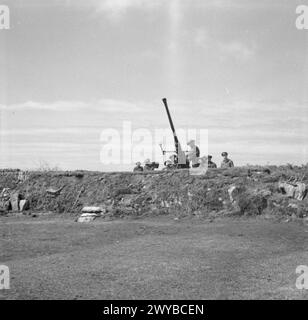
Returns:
(87,217)
(92,209)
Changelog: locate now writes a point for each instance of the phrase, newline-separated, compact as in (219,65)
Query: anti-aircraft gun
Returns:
(180,160)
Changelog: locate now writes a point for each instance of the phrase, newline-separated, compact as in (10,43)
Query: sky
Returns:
(72,71)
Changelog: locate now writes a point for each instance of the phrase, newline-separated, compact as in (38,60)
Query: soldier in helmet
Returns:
(147,165)
(138,167)
(210,163)
(226,162)
(168,165)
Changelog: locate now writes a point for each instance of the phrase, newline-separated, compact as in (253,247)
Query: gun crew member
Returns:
(210,163)
(226,162)
(193,154)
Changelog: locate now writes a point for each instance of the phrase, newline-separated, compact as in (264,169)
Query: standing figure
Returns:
(138,167)
(226,162)
(193,154)
(210,163)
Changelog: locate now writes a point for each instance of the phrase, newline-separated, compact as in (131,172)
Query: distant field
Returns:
(160,258)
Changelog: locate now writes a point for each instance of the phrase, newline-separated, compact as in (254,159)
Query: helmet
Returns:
(191,142)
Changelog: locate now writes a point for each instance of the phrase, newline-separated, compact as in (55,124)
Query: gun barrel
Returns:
(169,116)
(181,158)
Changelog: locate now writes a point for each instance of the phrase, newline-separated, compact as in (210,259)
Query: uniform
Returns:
(193,154)
(211,164)
(227,163)
(138,169)
(148,167)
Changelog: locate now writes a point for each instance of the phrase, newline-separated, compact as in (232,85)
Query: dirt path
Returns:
(152,259)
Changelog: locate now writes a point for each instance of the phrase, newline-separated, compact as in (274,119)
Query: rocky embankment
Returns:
(237,191)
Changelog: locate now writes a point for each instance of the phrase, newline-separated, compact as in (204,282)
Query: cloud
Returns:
(252,131)
(237,50)
(120,7)
(50,131)
(105,105)
(110,105)
(226,49)
(244,4)
(117,8)
(34,105)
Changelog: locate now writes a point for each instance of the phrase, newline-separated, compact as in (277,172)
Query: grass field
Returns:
(158,258)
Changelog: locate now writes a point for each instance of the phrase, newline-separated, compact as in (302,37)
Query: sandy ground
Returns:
(158,258)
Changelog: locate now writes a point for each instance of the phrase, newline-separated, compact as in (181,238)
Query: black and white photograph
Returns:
(153,150)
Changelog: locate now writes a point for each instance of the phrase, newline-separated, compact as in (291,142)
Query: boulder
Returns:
(5,194)
(24,205)
(5,205)
(15,197)
(297,208)
(253,201)
(233,192)
(300,191)
(293,190)
(127,201)
(54,192)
